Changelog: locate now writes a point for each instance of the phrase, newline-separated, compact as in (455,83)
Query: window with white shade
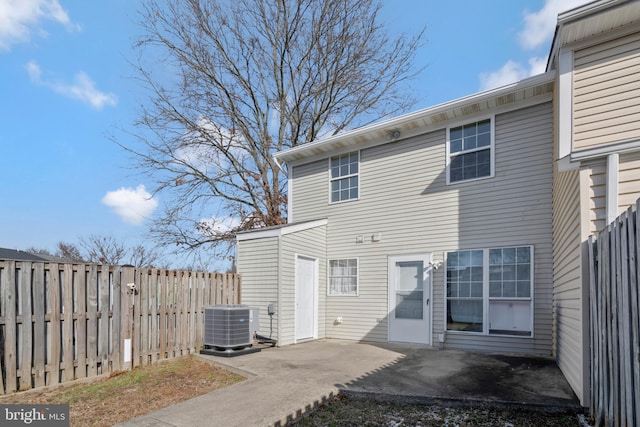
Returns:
(343,277)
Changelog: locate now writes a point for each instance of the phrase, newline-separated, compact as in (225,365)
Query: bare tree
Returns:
(103,249)
(69,251)
(144,257)
(233,82)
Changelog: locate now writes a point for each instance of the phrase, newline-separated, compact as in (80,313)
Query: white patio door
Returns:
(410,298)
(306,294)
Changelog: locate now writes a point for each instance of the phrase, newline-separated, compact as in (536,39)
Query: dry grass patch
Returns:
(127,395)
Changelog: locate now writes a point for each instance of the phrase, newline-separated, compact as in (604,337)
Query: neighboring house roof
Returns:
(532,89)
(589,20)
(16,255)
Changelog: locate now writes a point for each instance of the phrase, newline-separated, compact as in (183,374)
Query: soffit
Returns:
(596,18)
(537,88)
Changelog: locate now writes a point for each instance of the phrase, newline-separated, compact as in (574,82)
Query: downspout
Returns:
(279,272)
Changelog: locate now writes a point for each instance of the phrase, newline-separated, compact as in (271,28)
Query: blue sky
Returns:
(66,85)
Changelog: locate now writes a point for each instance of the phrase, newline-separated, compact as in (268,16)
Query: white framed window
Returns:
(470,151)
(343,277)
(344,171)
(489,291)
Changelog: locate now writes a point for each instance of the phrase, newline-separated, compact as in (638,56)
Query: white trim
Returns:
(331,179)
(423,117)
(280,231)
(565,103)
(492,150)
(605,150)
(427,259)
(486,299)
(316,295)
(613,161)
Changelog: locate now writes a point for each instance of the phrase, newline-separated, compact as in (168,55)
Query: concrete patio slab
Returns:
(283,383)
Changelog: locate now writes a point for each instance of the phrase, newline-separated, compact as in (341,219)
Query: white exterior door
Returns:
(410,298)
(306,295)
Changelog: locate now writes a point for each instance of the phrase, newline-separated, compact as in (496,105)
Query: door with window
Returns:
(410,298)
(306,291)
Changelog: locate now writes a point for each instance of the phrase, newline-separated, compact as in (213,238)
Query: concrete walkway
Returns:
(283,383)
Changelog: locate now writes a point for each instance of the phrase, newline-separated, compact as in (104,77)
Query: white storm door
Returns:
(306,291)
(410,298)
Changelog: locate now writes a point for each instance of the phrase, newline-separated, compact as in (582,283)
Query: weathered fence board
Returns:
(60,322)
(615,323)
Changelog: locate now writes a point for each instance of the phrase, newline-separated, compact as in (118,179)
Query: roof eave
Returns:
(353,137)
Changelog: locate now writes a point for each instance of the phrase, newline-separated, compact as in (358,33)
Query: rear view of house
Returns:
(462,226)
(431,228)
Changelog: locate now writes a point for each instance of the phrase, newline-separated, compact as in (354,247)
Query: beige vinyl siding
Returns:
(268,263)
(310,243)
(628,180)
(568,303)
(597,188)
(606,93)
(310,191)
(258,264)
(404,196)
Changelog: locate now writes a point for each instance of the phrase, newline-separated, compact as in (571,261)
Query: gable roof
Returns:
(17,255)
(531,90)
(590,20)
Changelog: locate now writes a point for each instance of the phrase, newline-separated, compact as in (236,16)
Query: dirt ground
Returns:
(123,396)
(343,411)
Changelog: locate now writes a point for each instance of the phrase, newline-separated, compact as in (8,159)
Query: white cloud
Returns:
(509,73)
(539,26)
(20,18)
(538,29)
(132,205)
(82,88)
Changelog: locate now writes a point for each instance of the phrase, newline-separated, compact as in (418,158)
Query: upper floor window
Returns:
(469,151)
(344,177)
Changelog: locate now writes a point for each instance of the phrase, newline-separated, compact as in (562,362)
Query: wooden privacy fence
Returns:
(61,322)
(615,325)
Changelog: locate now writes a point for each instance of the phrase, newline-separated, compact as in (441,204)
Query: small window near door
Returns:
(343,277)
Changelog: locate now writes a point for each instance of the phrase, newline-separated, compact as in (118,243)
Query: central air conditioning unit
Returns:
(229,329)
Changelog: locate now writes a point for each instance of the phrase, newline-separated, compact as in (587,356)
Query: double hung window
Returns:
(343,277)
(344,177)
(469,151)
(489,291)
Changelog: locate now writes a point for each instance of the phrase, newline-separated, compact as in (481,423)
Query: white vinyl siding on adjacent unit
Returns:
(628,180)
(606,93)
(597,190)
(404,198)
(569,299)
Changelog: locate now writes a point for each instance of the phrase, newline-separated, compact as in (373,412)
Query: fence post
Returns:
(127,293)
